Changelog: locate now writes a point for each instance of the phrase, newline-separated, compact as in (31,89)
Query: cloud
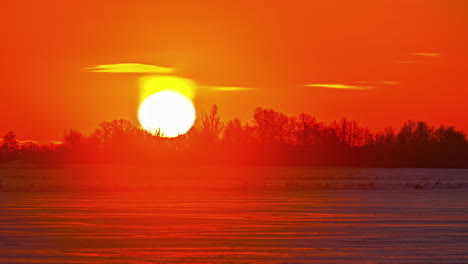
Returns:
(422,54)
(230,88)
(339,86)
(386,82)
(53,142)
(130,68)
(21,142)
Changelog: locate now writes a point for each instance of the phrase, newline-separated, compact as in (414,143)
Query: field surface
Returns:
(226,215)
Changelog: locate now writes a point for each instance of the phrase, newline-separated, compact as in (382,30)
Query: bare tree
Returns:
(234,131)
(450,136)
(114,132)
(350,133)
(306,130)
(10,144)
(415,133)
(272,127)
(211,124)
(72,138)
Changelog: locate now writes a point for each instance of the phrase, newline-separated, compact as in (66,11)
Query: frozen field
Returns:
(225,215)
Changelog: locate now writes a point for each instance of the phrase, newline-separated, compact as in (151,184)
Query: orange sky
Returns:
(412,53)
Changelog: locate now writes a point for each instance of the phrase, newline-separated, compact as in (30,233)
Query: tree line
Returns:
(273,138)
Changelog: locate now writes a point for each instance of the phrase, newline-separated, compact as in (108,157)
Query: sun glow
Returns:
(169,113)
(156,83)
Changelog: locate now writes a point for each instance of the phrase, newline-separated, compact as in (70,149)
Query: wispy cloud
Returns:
(21,142)
(424,54)
(339,86)
(53,142)
(387,82)
(229,88)
(130,68)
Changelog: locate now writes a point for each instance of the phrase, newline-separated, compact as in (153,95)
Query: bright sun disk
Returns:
(167,112)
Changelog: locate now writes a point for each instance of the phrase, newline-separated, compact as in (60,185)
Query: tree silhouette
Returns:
(450,136)
(272,127)
(415,133)
(10,144)
(386,137)
(29,147)
(307,130)
(115,132)
(234,132)
(72,138)
(272,138)
(211,126)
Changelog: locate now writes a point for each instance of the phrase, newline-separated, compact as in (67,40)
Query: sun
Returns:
(167,112)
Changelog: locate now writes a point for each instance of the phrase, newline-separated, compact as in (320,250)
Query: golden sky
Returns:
(378,62)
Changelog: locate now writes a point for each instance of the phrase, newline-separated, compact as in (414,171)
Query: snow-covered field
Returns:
(226,215)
